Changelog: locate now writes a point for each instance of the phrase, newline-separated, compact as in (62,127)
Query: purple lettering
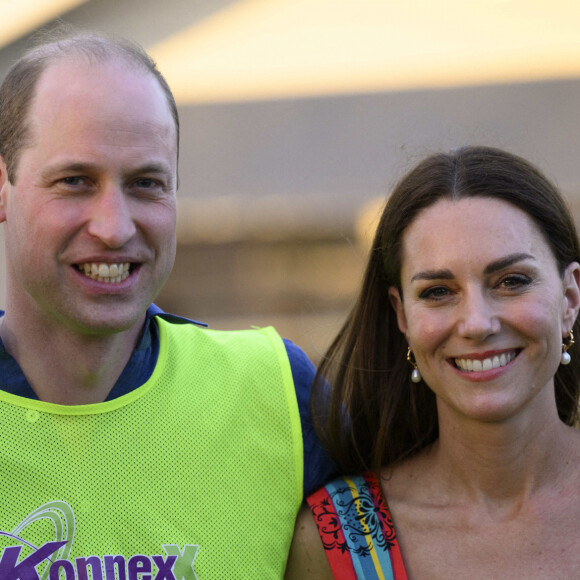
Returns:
(115,568)
(25,570)
(139,565)
(83,568)
(64,566)
(165,567)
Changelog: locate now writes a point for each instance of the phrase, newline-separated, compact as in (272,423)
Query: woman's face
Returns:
(484,307)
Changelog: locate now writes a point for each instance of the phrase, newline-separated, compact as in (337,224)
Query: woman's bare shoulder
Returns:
(307,559)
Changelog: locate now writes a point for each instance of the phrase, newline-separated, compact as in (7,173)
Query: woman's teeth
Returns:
(474,365)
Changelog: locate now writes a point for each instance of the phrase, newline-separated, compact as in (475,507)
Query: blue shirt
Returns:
(318,468)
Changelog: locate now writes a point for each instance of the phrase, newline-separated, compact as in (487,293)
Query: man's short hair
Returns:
(19,86)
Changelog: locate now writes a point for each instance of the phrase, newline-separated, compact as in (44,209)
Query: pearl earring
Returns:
(566,358)
(415,374)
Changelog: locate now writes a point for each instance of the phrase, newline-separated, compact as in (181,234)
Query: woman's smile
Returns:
(475,363)
(479,296)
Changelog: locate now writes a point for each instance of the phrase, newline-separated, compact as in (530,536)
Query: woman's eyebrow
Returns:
(490,269)
(506,262)
(433,275)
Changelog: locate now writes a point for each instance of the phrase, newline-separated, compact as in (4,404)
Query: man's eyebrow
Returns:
(87,166)
(75,166)
(151,168)
(490,269)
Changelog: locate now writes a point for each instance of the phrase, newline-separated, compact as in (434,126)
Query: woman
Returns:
(454,387)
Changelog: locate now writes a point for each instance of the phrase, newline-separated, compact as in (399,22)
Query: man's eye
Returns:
(73,180)
(145,183)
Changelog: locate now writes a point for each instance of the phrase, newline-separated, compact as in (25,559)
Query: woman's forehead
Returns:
(470,229)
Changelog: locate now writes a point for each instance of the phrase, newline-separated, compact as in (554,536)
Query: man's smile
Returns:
(103,272)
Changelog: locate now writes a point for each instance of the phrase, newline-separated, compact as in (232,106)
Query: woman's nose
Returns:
(478,318)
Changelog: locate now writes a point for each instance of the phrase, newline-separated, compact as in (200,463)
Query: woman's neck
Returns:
(501,461)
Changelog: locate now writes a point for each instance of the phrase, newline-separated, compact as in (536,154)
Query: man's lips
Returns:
(112,273)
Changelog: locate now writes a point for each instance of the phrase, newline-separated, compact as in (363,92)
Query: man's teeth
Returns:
(102,272)
(475,365)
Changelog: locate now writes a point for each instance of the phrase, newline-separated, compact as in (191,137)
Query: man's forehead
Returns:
(79,110)
(77,72)
(75,82)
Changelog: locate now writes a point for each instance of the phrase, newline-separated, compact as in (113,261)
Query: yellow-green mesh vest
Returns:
(196,474)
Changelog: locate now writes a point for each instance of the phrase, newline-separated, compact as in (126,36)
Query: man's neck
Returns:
(64,367)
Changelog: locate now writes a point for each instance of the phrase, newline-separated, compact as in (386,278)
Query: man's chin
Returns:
(106,323)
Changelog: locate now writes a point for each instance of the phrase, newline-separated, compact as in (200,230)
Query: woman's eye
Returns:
(515,281)
(435,293)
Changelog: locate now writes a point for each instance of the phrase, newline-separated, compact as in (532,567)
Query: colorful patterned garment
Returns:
(356,529)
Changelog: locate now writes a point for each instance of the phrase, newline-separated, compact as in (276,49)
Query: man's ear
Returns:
(4,186)
(571,304)
(397,304)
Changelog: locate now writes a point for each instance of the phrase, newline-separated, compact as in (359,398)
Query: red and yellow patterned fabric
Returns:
(357,530)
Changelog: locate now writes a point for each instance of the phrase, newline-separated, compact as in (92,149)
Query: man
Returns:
(137,445)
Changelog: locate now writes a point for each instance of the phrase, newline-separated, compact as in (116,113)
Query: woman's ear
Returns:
(397,304)
(571,304)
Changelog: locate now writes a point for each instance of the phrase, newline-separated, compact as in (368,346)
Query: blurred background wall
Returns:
(298,116)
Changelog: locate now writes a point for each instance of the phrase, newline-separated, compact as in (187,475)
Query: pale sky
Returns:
(267,49)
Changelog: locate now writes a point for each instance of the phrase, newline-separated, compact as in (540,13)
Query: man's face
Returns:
(90,218)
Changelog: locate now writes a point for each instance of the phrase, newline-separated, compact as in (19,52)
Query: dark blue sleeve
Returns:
(318,467)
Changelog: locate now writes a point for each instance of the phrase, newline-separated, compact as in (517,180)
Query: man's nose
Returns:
(478,316)
(111,219)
